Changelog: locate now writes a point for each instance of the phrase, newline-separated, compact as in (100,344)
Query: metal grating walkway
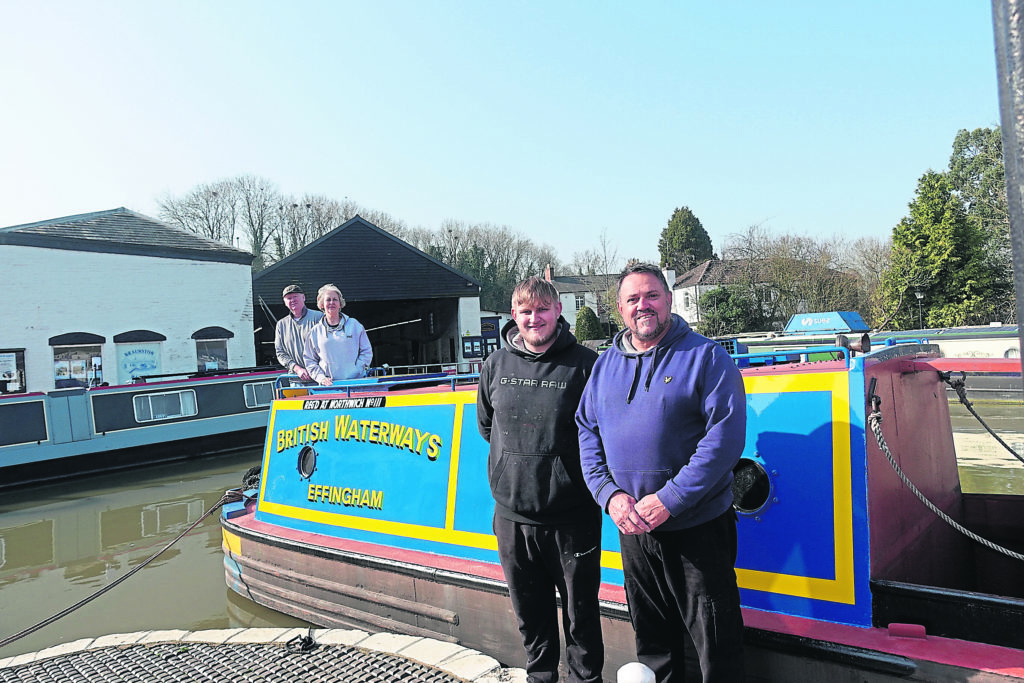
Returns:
(188,661)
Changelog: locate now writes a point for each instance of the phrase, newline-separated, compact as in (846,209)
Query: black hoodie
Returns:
(526,407)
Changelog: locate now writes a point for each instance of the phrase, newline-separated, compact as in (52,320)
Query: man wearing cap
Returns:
(292,331)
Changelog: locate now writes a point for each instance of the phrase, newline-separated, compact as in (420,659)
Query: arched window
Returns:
(77,360)
(212,348)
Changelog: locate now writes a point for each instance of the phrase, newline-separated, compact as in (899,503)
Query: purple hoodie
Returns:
(671,421)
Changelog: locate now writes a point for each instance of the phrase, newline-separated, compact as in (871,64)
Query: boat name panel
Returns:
(344,403)
(347,496)
(348,428)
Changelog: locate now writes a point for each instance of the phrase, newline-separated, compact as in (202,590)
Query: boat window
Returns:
(258,394)
(212,354)
(77,366)
(165,406)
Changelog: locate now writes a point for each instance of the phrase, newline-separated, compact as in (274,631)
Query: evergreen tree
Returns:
(939,252)
(587,325)
(977,175)
(684,242)
(728,310)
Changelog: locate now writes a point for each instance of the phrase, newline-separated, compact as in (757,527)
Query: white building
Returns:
(577,291)
(102,297)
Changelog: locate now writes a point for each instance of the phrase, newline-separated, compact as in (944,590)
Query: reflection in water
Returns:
(61,543)
(985,466)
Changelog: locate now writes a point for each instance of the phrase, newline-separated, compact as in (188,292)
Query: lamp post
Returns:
(920,315)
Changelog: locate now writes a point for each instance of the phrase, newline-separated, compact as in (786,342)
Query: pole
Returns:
(1008,25)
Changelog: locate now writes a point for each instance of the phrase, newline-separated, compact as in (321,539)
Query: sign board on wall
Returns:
(142,358)
(8,366)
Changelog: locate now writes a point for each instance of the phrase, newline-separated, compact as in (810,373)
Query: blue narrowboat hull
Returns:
(62,433)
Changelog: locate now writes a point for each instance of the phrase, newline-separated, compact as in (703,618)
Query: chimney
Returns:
(547,272)
(670,277)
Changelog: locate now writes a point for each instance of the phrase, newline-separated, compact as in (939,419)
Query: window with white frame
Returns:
(580,301)
(258,394)
(165,405)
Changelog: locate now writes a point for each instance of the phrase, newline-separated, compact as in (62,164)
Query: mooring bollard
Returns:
(634,672)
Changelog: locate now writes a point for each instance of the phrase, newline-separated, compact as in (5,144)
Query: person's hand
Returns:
(325,381)
(652,511)
(622,510)
(302,372)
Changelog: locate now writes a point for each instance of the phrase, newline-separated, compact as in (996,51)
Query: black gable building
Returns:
(416,309)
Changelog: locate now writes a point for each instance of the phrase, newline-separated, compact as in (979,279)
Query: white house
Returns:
(577,291)
(103,297)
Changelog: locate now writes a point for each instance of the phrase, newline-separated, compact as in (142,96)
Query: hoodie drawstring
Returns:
(636,373)
(650,372)
(636,381)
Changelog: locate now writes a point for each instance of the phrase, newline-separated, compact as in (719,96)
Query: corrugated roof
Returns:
(121,231)
(367,264)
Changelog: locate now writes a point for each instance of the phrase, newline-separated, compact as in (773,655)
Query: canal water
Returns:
(61,543)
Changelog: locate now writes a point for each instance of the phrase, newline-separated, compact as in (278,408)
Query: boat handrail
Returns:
(796,351)
(206,374)
(374,384)
(893,341)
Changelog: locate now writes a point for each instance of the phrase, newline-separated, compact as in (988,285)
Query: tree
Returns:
(868,258)
(978,177)
(259,215)
(939,252)
(684,242)
(585,262)
(784,274)
(728,310)
(587,325)
(210,210)
(250,210)
(496,256)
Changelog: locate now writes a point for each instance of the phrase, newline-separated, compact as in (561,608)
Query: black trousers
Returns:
(686,579)
(537,561)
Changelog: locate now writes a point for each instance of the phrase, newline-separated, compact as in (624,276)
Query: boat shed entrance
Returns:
(416,310)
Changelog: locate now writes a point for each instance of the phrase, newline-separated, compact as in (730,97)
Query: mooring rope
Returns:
(228,497)
(960,387)
(875,421)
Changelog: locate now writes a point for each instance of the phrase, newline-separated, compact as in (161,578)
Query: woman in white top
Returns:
(338,347)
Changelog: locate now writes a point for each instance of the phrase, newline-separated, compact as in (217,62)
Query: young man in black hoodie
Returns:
(547,524)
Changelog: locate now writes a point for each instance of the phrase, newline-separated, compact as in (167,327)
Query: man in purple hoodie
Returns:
(662,424)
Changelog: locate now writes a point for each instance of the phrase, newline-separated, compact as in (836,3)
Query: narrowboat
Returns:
(66,432)
(372,510)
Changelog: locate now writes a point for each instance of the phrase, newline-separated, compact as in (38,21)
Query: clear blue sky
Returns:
(559,119)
